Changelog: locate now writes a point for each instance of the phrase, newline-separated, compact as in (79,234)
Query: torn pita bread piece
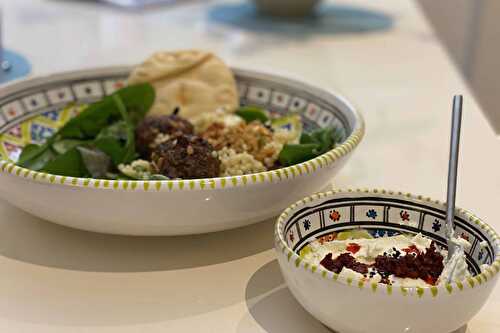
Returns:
(193,81)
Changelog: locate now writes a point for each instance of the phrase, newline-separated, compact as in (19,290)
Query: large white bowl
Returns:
(31,110)
(356,306)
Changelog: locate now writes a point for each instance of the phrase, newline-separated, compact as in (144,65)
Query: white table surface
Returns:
(54,279)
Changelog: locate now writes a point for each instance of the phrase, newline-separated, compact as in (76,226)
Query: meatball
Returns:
(187,157)
(147,131)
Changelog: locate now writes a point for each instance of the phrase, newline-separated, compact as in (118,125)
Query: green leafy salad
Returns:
(115,138)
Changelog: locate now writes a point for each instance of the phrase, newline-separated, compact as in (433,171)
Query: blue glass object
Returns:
(13,66)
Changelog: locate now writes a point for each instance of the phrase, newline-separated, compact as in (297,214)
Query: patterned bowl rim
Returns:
(294,259)
(281,174)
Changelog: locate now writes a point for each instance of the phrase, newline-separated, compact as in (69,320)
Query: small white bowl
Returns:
(30,110)
(355,306)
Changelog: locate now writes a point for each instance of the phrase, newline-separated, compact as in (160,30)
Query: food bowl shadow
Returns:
(102,280)
(273,307)
(29,239)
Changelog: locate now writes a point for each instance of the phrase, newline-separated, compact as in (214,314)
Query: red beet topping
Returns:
(426,266)
(412,249)
(353,248)
(430,280)
(343,260)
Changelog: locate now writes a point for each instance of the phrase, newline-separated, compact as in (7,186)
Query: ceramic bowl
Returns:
(30,111)
(286,8)
(354,306)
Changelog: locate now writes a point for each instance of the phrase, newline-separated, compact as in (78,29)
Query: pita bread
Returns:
(195,81)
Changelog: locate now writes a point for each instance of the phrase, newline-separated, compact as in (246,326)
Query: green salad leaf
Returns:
(118,139)
(96,162)
(34,156)
(324,137)
(62,146)
(117,130)
(137,100)
(68,164)
(297,153)
(129,149)
(157,176)
(104,127)
(312,144)
(30,152)
(89,122)
(111,147)
(252,113)
(112,139)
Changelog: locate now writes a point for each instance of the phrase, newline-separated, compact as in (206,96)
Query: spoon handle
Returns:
(456,121)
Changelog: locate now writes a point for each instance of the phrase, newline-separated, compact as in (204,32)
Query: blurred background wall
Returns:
(470,29)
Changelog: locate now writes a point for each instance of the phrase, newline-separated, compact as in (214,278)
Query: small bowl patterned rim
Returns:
(281,174)
(294,259)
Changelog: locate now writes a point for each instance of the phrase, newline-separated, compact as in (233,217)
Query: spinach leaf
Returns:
(117,130)
(312,144)
(96,162)
(251,113)
(34,157)
(31,152)
(157,176)
(118,139)
(107,124)
(68,164)
(62,146)
(324,137)
(112,147)
(136,99)
(90,121)
(129,153)
(112,140)
(306,138)
(296,153)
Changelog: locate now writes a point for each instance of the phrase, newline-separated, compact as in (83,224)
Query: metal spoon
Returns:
(456,121)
